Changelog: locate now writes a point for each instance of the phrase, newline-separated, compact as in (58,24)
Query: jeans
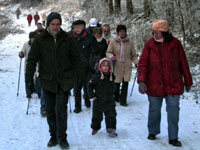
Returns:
(154,116)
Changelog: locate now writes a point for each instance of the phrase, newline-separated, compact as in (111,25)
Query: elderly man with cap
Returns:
(84,41)
(161,70)
(59,59)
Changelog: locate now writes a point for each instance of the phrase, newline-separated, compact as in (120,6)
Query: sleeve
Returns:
(33,57)
(143,65)
(91,86)
(24,48)
(133,54)
(184,66)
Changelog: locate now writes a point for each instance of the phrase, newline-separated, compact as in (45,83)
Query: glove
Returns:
(142,87)
(187,88)
(29,88)
(113,58)
(21,55)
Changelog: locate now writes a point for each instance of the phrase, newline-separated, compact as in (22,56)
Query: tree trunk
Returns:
(117,6)
(147,11)
(129,6)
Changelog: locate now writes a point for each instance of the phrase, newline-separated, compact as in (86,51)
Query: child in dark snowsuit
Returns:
(101,89)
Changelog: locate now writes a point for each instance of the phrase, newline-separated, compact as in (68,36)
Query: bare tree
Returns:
(117,6)
(129,6)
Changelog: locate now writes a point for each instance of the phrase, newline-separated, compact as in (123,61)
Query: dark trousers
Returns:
(56,107)
(121,96)
(82,83)
(110,119)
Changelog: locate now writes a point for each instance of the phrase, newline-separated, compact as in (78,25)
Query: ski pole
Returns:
(28,106)
(134,82)
(19,76)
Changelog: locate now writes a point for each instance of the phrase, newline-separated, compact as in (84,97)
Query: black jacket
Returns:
(103,90)
(59,61)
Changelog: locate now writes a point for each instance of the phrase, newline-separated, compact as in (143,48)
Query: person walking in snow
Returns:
(161,70)
(24,53)
(44,18)
(85,44)
(121,51)
(59,59)
(36,18)
(29,19)
(101,90)
(18,13)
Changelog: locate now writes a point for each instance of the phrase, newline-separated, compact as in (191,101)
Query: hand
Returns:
(29,88)
(142,87)
(113,58)
(94,98)
(187,88)
(21,54)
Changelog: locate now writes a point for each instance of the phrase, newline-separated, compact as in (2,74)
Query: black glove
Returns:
(187,88)
(21,55)
(142,87)
(29,88)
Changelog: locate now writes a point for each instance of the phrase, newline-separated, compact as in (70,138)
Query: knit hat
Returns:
(93,22)
(160,25)
(110,68)
(121,27)
(78,22)
(53,15)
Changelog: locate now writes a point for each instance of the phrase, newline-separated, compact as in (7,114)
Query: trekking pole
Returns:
(19,76)
(134,81)
(28,106)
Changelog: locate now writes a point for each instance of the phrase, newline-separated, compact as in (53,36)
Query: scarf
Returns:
(159,41)
(122,58)
(106,74)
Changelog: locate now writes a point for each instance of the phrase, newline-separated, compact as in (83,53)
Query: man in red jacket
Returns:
(36,18)
(29,18)
(161,70)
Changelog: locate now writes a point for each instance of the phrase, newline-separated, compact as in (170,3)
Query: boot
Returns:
(63,143)
(94,132)
(175,142)
(151,137)
(52,142)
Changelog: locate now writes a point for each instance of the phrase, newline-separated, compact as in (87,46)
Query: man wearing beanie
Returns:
(84,42)
(163,72)
(59,59)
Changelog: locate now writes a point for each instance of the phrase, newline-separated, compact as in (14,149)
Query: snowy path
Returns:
(19,131)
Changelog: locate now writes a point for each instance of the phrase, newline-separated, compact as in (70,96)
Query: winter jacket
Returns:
(44,17)
(103,90)
(122,70)
(29,18)
(108,38)
(99,52)
(163,66)
(36,17)
(84,42)
(59,61)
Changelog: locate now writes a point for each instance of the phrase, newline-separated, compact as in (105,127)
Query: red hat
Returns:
(160,25)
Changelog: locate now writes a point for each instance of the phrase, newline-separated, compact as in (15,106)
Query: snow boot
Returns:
(52,142)
(63,144)
(112,134)
(94,132)
(77,110)
(175,142)
(151,137)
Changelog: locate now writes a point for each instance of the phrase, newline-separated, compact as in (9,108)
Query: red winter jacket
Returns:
(36,17)
(163,66)
(29,18)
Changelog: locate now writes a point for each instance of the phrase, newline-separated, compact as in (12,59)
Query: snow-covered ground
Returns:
(19,131)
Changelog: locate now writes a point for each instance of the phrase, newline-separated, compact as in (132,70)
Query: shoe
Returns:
(124,104)
(63,143)
(77,110)
(175,142)
(112,134)
(43,111)
(94,132)
(52,142)
(151,137)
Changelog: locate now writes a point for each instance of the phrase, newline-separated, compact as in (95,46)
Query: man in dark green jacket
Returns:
(59,60)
